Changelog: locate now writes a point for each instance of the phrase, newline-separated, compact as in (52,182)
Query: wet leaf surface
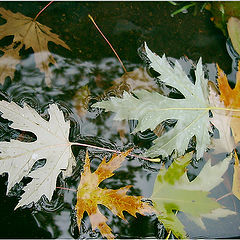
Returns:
(89,196)
(18,158)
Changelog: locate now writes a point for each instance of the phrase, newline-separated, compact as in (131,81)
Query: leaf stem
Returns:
(115,151)
(226,195)
(70,189)
(169,233)
(42,11)
(204,108)
(108,42)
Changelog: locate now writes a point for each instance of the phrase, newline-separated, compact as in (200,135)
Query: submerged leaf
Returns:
(152,108)
(33,35)
(173,193)
(89,195)
(17,158)
(130,81)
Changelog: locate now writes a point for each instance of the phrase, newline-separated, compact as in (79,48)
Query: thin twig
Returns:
(226,195)
(108,42)
(42,11)
(70,189)
(115,151)
(199,108)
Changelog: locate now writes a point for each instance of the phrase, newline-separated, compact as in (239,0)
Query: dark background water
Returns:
(127,25)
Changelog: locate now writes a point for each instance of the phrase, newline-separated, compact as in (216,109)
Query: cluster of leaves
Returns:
(18,158)
(192,115)
(172,191)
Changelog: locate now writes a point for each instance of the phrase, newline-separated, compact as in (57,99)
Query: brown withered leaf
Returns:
(33,35)
(89,195)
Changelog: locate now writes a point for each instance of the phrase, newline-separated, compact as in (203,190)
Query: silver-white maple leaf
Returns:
(17,158)
(152,108)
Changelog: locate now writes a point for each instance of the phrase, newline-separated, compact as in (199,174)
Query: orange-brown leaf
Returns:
(89,195)
(231,99)
(236,178)
(33,35)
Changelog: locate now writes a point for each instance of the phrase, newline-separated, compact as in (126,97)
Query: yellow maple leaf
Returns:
(231,99)
(89,195)
(33,35)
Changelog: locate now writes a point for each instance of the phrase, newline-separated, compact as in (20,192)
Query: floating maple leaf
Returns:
(33,35)
(231,99)
(152,108)
(130,81)
(89,195)
(173,192)
(17,158)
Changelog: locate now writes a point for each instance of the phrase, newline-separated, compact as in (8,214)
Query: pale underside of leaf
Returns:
(17,158)
(150,109)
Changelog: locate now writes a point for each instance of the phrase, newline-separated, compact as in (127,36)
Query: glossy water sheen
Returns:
(92,63)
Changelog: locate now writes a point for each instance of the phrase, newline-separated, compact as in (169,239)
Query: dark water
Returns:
(91,63)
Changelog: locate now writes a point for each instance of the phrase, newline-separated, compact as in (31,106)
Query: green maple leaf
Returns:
(173,193)
(152,108)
